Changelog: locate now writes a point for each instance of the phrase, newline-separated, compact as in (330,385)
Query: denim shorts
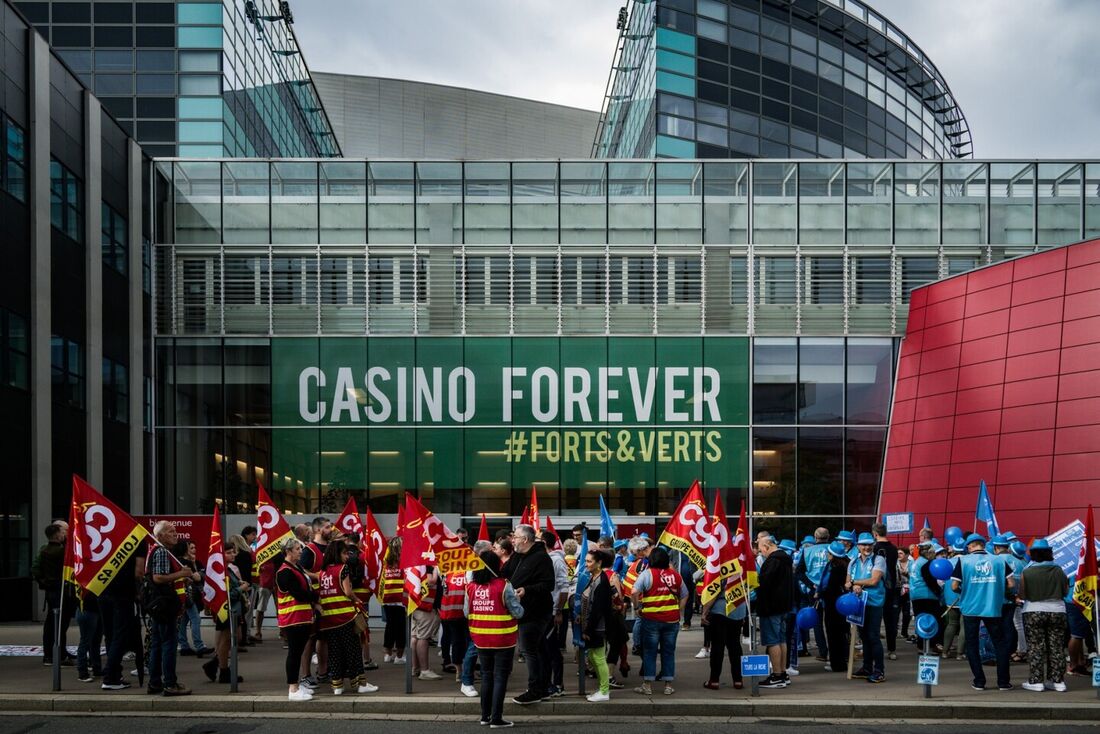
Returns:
(772,630)
(1078,625)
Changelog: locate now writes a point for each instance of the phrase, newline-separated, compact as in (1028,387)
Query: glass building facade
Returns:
(773,79)
(197,79)
(470,330)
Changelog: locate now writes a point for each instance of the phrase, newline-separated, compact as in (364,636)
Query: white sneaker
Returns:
(1037,687)
(301,694)
(387,658)
(703,653)
(399,661)
(429,675)
(338,691)
(792,672)
(1060,687)
(368,688)
(598,697)
(469,691)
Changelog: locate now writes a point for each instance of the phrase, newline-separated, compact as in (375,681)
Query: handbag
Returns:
(361,623)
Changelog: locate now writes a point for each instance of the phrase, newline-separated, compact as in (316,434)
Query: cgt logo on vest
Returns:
(481,593)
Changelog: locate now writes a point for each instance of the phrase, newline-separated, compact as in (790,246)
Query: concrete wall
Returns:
(374,117)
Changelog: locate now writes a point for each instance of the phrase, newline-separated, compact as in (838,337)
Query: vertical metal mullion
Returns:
(366,289)
(270,290)
(317,280)
(702,290)
(511,289)
(560,286)
(220,276)
(607,289)
(844,252)
(750,220)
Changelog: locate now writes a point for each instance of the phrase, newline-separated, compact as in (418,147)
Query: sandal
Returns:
(712,685)
(1017,658)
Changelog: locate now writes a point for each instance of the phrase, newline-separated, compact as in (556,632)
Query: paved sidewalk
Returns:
(815,693)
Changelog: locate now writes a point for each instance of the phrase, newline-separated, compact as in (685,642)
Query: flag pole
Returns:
(57,635)
(232,618)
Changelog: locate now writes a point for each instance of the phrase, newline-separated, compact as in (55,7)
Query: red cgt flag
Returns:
(1084,589)
(690,529)
(272,528)
(103,538)
(374,550)
(737,592)
(525,518)
(427,541)
(349,521)
(483,532)
(721,560)
(535,509)
(215,593)
(552,529)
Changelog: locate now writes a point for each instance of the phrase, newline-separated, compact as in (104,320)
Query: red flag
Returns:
(483,533)
(721,562)
(550,527)
(73,551)
(737,592)
(428,541)
(272,528)
(689,531)
(525,518)
(103,537)
(416,553)
(1084,589)
(215,593)
(374,550)
(534,509)
(349,521)
(400,518)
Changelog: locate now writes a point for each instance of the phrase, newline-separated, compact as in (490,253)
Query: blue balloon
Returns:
(941,568)
(807,618)
(847,604)
(952,534)
(927,626)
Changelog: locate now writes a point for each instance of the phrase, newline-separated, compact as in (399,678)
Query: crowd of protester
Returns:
(1003,603)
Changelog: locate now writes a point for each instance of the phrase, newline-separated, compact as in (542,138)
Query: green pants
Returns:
(954,627)
(597,658)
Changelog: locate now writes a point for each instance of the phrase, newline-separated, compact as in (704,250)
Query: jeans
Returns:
(119,625)
(1008,625)
(67,604)
(794,640)
(873,659)
(891,613)
(190,619)
(468,661)
(725,637)
(456,632)
(162,654)
(496,666)
(531,634)
(659,635)
(994,626)
(91,638)
(553,644)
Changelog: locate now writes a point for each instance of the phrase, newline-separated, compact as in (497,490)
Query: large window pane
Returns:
(774,197)
(486,211)
(869,187)
(343,202)
(775,380)
(439,203)
(820,471)
(965,186)
(725,191)
(583,203)
(1059,203)
(820,381)
(679,203)
(294,202)
(534,203)
(390,213)
(774,479)
(863,465)
(917,203)
(869,380)
(1012,206)
(821,203)
(631,188)
(245,188)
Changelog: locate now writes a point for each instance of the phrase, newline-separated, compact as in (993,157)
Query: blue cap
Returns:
(938,548)
(836,549)
(975,538)
(619,543)
(846,535)
(644,535)
(1040,544)
(865,539)
(959,546)
(788,545)
(808,540)
(1010,535)
(1018,549)
(1000,540)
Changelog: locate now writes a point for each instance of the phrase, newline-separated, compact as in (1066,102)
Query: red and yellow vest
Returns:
(393,585)
(492,626)
(632,574)
(450,605)
(660,602)
(336,608)
(292,612)
(362,592)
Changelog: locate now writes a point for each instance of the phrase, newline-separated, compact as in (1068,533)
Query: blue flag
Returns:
(583,578)
(985,511)
(607,527)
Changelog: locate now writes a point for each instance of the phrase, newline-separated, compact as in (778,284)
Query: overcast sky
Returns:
(1024,71)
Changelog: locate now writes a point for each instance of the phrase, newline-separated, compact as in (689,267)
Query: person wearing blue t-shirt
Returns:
(982,582)
(1003,551)
(866,578)
(815,558)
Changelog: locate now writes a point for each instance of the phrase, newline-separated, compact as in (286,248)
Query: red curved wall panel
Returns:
(999,379)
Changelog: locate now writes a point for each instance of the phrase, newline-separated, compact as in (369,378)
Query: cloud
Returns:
(1022,71)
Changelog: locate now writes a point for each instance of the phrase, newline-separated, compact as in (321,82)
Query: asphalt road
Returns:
(84,724)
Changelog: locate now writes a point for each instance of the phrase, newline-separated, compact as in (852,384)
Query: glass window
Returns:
(1012,204)
(965,187)
(156,84)
(820,381)
(200,61)
(583,203)
(863,454)
(114,84)
(869,378)
(712,9)
(821,203)
(917,270)
(200,85)
(190,37)
(114,36)
(713,114)
(820,471)
(674,105)
(823,281)
(1092,200)
(725,196)
(156,60)
(114,60)
(156,36)
(191,108)
(198,202)
(774,202)
(66,202)
(13,158)
(775,380)
(916,203)
(439,202)
(67,371)
(199,13)
(14,356)
(200,132)
(871,274)
(869,186)
(1059,203)
(113,12)
(293,202)
(677,126)
(343,198)
(72,12)
(679,203)
(116,392)
(390,215)
(774,477)
(114,239)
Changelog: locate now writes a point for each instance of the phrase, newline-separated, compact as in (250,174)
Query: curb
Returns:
(776,708)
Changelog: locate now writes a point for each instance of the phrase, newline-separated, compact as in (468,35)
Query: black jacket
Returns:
(533,572)
(775,595)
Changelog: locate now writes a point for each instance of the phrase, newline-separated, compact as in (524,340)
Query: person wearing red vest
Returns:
(339,608)
(456,634)
(659,595)
(313,554)
(363,587)
(393,599)
(492,608)
(294,605)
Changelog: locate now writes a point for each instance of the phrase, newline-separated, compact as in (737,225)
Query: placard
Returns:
(898,522)
(1096,673)
(754,665)
(928,670)
(857,618)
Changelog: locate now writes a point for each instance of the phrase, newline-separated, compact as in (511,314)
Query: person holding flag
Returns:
(162,606)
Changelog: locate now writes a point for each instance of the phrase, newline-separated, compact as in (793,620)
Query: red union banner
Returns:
(215,595)
(192,528)
(349,521)
(690,529)
(103,537)
(271,528)
(721,558)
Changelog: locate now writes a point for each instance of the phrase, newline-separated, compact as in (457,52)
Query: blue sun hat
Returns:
(836,549)
(808,540)
(865,539)
(959,546)
(846,535)
(788,545)
(975,538)
(1040,544)
(1000,540)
